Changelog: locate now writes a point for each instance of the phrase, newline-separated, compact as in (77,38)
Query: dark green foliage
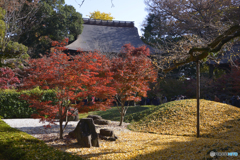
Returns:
(13,106)
(149,36)
(154,33)
(56,22)
(17,145)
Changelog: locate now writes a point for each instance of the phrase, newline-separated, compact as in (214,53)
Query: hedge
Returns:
(13,106)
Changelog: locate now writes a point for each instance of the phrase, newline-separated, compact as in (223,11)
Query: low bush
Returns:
(13,106)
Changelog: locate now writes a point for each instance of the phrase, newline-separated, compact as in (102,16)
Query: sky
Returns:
(123,10)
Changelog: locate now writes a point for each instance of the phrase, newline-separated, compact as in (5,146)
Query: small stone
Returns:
(106,132)
(112,139)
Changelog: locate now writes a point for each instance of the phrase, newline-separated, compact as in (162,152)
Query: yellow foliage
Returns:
(217,120)
(143,146)
(2,23)
(100,16)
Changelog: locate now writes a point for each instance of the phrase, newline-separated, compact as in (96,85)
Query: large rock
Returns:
(94,117)
(101,122)
(86,134)
(98,120)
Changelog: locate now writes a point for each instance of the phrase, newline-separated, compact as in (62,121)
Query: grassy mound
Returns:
(217,120)
(17,145)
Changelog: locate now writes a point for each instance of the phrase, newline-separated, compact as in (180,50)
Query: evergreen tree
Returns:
(55,21)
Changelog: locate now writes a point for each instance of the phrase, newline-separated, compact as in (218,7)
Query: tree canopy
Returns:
(8,48)
(182,26)
(72,78)
(132,73)
(54,21)
(7,78)
(100,16)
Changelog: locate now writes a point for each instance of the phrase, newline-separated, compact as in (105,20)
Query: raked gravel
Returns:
(36,128)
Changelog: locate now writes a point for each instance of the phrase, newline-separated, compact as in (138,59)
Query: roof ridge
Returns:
(113,23)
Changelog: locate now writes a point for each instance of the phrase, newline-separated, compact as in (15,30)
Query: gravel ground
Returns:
(36,129)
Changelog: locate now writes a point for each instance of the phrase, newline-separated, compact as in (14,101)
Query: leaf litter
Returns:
(173,134)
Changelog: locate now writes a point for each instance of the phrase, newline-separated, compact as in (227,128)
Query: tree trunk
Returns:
(60,122)
(61,129)
(122,114)
(198,97)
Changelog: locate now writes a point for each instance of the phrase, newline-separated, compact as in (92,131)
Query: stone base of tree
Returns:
(85,133)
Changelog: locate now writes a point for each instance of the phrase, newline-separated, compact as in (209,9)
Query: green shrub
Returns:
(13,106)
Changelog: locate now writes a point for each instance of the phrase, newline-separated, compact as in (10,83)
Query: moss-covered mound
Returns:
(217,120)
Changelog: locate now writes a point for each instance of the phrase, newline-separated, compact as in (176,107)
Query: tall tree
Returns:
(151,35)
(184,24)
(100,16)
(56,22)
(73,78)
(133,71)
(11,16)
(204,27)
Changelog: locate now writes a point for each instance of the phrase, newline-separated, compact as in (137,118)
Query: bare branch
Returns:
(80,5)
(215,46)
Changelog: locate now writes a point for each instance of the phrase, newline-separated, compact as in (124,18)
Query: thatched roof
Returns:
(107,36)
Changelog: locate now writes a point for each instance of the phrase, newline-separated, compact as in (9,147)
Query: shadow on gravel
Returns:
(43,130)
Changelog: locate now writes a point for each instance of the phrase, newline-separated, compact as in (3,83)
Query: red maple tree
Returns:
(133,71)
(7,78)
(73,78)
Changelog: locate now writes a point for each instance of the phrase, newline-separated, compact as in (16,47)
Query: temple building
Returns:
(106,37)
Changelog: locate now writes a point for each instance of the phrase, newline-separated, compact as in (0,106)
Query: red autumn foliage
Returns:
(74,78)
(7,78)
(133,71)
